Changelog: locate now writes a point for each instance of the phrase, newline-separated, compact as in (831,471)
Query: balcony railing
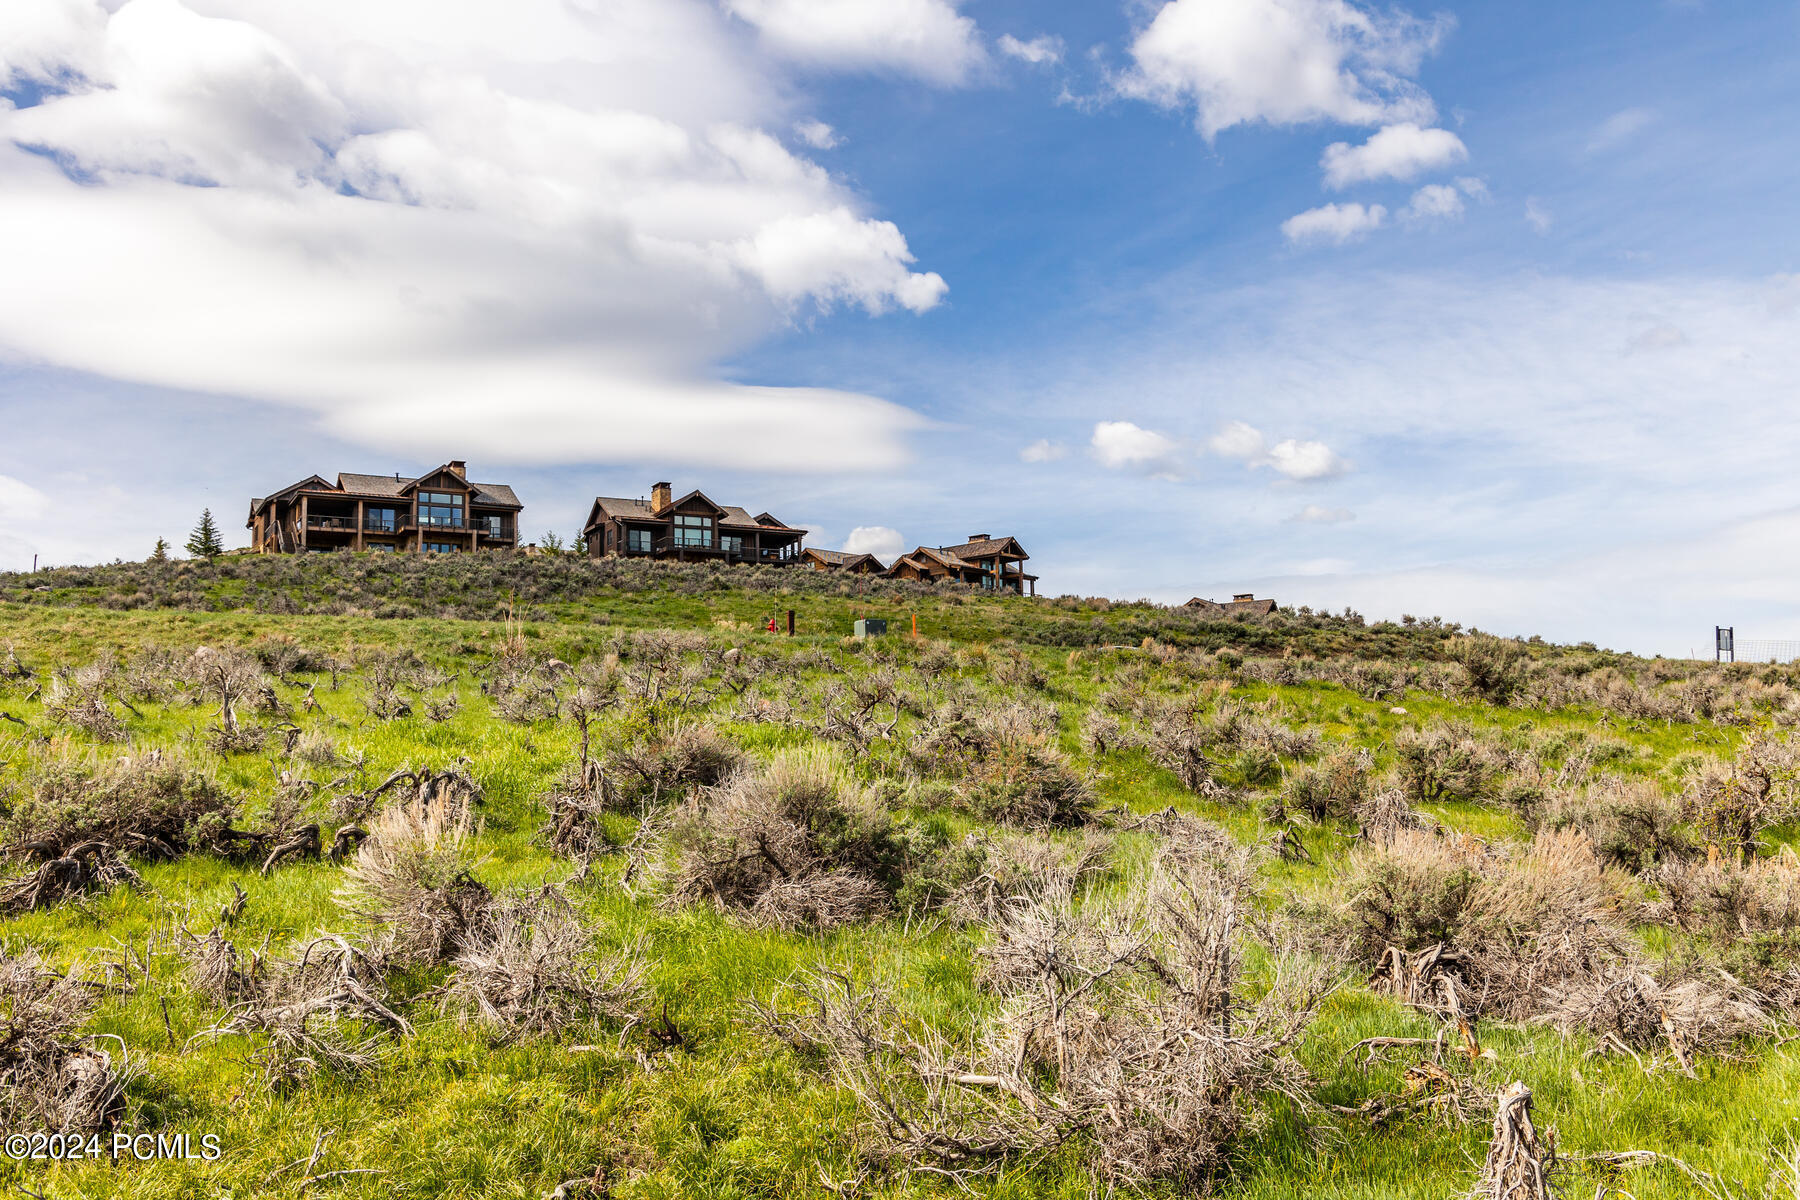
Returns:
(749,554)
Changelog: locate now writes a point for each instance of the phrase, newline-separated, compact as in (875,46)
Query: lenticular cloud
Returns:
(390,215)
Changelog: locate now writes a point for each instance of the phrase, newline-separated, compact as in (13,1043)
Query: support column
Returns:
(359,525)
(300,538)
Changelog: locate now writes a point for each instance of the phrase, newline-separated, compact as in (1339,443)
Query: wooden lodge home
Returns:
(693,529)
(842,560)
(996,563)
(1243,602)
(441,511)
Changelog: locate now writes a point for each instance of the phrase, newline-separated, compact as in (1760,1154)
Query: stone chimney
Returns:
(978,537)
(460,467)
(661,496)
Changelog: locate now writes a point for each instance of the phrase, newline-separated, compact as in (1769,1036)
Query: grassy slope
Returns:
(447,1115)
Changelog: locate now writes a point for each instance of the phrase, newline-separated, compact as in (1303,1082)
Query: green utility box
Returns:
(869,627)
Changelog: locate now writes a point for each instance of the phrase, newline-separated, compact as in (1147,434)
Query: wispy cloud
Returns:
(1621,127)
(1038,51)
(1042,451)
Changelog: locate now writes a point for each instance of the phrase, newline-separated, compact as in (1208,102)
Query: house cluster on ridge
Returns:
(442,511)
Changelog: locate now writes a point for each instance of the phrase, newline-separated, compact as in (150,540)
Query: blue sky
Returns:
(1483,311)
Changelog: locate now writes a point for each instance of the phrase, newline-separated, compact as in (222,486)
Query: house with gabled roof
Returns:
(1243,602)
(691,528)
(440,511)
(995,563)
(842,560)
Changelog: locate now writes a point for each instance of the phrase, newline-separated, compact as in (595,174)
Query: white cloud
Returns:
(1124,446)
(1318,514)
(407,218)
(818,135)
(1433,202)
(1283,62)
(1043,450)
(1402,151)
(1537,216)
(1620,127)
(1337,223)
(1039,50)
(1473,187)
(925,38)
(1238,440)
(1305,460)
(884,543)
(1295,459)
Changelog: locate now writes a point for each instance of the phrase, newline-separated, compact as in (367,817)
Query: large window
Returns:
(492,524)
(382,520)
(731,545)
(693,531)
(637,541)
(443,547)
(383,547)
(441,510)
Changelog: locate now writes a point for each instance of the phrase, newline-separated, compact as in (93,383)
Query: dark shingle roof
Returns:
(985,548)
(496,493)
(640,510)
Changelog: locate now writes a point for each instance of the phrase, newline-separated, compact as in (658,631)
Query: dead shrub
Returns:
(533,971)
(1384,814)
(91,866)
(1028,866)
(1632,823)
(1465,929)
(1005,764)
(236,682)
(1731,898)
(325,1009)
(794,843)
(52,1080)
(1131,1028)
(411,880)
(78,698)
(668,765)
(1333,789)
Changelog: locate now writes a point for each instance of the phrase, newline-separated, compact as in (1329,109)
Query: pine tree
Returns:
(551,543)
(204,541)
(579,545)
(161,553)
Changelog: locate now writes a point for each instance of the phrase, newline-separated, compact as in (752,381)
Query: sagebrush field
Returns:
(511,876)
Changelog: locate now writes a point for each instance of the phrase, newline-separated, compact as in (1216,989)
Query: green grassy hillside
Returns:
(1057,897)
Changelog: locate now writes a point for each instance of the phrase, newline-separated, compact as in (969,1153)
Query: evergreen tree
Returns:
(161,553)
(579,545)
(204,541)
(551,543)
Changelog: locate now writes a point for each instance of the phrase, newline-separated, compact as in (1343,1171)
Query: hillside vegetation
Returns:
(516,877)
